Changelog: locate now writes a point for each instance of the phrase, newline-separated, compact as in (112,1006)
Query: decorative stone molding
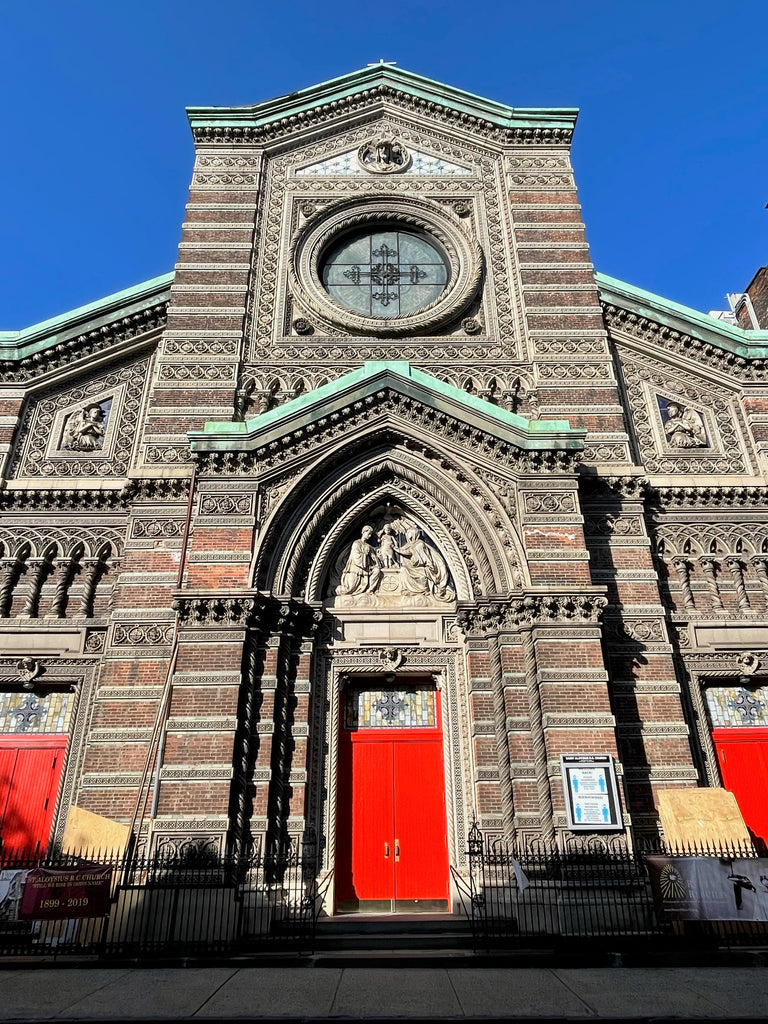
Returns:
(724,454)
(551,501)
(141,634)
(709,496)
(226,505)
(83,345)
(219,609)
(440,425)
(64,499)
(638,630)
(34,457)
(683,344)
(155,529)
(333,111)
(483,619)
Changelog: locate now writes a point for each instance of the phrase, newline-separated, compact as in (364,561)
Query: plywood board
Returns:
(87,834)
(701,817)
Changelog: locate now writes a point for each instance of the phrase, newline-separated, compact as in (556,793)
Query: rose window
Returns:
(386,273)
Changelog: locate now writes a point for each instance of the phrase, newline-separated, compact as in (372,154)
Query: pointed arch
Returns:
(480,544)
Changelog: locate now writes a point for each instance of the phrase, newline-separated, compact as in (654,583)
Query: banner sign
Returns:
(591,797)
(51,894)
(710,888)
(11,891)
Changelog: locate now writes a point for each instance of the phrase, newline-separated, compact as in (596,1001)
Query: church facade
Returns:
(379,509)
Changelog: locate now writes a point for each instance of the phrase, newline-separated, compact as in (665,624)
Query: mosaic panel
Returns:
(403,708)
(33,714)
(348,164)
(736,706)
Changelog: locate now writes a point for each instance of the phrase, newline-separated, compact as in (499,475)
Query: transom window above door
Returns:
(401,707)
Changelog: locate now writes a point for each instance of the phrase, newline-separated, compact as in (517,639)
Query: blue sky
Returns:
(671,148)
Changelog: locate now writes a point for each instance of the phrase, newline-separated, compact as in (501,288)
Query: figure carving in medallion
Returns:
(84,430)
(383,156)
(684,427)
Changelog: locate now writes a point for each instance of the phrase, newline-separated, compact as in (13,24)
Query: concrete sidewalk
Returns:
(321,993)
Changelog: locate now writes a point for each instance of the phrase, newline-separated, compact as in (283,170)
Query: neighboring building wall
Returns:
(757,292)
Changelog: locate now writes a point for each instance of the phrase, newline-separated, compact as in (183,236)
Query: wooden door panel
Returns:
(30,786)
(372,821)
(365,826)
(421,870)
(743,757)
(391,850)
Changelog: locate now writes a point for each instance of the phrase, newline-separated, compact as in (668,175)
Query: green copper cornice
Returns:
(746,344)
(370,379)
(299,104)
(17,345)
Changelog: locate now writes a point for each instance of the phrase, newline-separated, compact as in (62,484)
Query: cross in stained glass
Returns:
(385,273)
(747,705)
(27,714)
(390,706)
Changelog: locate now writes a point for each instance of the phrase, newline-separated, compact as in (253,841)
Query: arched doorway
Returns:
(391,827)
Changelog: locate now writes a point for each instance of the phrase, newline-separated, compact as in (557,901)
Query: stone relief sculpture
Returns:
(85,429)
(391,564)
(362,573)
(423,571)
(383,156)
(683,426)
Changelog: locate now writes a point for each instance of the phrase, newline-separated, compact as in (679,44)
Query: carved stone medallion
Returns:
(383,156)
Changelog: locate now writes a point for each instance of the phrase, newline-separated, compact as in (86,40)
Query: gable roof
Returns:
(304,101)
(374,377)
(37,339)
(704,328)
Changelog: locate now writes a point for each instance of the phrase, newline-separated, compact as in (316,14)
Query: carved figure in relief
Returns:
(422,569)
(362,572)
(387,547)
(391,563)
(84,430)
(383,156)
(684,427)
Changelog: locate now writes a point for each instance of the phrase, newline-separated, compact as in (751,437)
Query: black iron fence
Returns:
(515,895)
(160,906)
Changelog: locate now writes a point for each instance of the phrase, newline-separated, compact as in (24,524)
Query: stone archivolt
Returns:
(294,550)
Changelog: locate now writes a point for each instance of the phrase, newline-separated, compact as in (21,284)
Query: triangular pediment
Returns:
(329,403)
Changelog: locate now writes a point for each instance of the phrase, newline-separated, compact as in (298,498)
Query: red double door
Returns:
(391,841)
(29,782)
(743,757)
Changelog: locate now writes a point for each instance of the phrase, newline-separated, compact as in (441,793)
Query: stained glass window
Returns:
(734,706)
(407,707)
(386,273)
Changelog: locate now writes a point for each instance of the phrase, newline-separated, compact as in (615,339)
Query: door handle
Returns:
(397,849)
(386,850)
